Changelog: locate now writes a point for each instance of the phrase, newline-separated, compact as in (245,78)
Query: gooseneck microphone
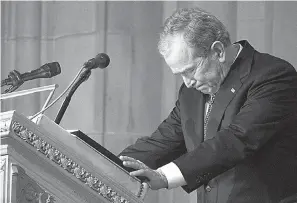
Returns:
(15,79)
(101,61)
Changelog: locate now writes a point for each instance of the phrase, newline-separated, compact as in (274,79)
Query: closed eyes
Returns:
(189,72)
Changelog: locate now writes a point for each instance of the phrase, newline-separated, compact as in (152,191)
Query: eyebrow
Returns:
(184,70)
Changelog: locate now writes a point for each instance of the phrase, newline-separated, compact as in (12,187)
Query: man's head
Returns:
(193,44)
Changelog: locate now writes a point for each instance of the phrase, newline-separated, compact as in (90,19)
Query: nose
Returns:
(188,82)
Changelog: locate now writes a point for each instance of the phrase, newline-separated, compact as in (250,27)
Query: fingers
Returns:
(148,173)
(132,163)
(140,172)
(146,185)
(126,158)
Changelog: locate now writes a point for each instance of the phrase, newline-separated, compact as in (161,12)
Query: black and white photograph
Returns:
(148,102)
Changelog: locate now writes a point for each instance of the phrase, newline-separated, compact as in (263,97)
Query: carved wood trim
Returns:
(70,166)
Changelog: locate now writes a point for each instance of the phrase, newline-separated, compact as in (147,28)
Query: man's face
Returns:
(203,74)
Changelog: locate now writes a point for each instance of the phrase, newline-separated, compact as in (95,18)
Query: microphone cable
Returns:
(100,61)
(59,97)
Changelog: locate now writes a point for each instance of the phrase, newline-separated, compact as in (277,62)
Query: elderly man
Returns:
(232,134)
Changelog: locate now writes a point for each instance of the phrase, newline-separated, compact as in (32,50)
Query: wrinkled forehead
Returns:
(179,53)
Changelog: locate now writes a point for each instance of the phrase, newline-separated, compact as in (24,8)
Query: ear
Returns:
(218,50)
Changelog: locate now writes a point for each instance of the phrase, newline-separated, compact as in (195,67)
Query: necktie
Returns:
(206,118)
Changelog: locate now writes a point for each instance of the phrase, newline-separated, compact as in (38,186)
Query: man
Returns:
(233,132)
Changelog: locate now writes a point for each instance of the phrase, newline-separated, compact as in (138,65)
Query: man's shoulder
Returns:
(266,63)
(261,60)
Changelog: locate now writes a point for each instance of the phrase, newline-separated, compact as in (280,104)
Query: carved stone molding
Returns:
(25,189)
(4,125)
(2,165)
(69,165)
(30,194)
(3,176)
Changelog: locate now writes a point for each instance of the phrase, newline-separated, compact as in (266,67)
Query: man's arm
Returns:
(270,110)
(163,146)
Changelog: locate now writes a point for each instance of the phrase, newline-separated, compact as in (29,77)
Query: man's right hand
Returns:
(156,179)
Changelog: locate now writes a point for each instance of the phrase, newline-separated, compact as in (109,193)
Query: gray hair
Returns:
(198,28)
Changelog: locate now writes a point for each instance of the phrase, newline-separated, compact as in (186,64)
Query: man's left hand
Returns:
(156,179)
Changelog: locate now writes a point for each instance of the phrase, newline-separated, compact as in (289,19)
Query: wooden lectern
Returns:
(43,163)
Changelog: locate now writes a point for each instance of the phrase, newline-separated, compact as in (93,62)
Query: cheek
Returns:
(205,73)
(213,73)
(212,78)
(208,74)
(200,77)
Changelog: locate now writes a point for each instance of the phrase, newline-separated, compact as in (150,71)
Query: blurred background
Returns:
(129,98)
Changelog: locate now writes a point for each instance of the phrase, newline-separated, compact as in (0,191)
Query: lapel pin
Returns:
(232,90)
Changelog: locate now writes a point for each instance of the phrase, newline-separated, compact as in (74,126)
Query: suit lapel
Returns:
(233,82)
(223,97)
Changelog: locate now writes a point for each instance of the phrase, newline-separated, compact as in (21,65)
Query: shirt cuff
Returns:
(174,176)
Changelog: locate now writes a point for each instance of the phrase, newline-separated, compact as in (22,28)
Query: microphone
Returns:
(100,61)
(48,70)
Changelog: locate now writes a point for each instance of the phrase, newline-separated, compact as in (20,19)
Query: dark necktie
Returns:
(206,118)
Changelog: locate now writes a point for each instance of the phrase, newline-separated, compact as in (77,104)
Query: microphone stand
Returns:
(16,81)
(83,77)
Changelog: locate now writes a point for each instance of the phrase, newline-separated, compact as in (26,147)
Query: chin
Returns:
(206,90)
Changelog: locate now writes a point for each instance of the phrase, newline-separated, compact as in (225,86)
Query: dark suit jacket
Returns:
(250,154)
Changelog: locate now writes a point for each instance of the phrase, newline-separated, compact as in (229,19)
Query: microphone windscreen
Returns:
(54,68)
(47,70)
(101,60)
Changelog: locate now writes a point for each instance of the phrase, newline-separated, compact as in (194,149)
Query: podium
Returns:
(43,163)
